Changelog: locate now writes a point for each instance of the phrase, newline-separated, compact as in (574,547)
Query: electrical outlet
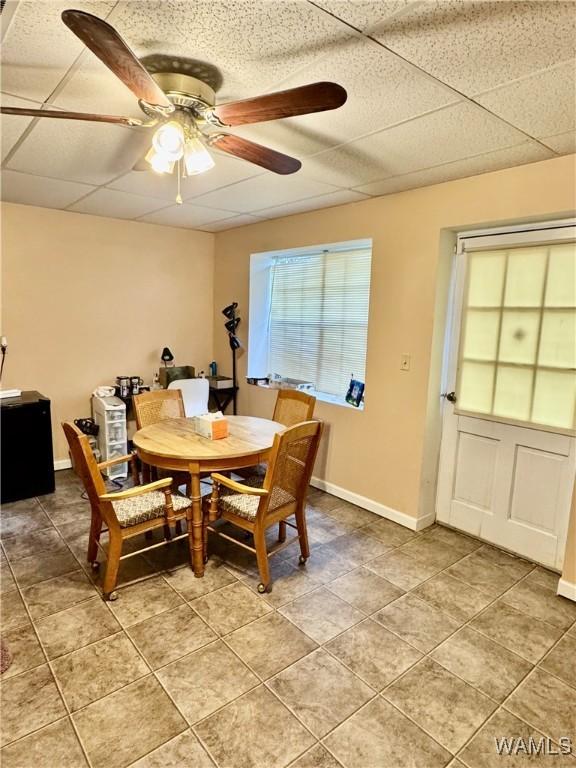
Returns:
(405,361)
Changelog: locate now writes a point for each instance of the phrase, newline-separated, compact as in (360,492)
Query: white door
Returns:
(508,453)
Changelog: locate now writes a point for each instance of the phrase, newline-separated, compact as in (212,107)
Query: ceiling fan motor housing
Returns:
(185,92)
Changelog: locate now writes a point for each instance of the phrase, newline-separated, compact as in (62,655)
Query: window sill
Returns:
(322,397)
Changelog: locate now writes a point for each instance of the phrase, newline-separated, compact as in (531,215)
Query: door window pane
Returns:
(513,392)
(476,383)
(519,337)
(561,283)
(486,278)
(481,334)
(558,342)
(554,398)
(525,278)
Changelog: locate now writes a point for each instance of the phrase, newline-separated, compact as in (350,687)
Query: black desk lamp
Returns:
(166,356)
(231,325)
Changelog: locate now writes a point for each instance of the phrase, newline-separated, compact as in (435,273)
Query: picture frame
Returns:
(355,392)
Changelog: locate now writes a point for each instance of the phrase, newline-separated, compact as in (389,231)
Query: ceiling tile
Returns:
(36,190)
(186,215)
(382,90)
(118,205)
(78,151)
(541,104)
(232,223)
(93,88)
(528,152)
(450,134)
(312,204)
(364,14)
(39,48)
(563,143)
(9,8)
(13,126)
(269,189)
(257,46)
(478,45)
(253,44)
(226,171)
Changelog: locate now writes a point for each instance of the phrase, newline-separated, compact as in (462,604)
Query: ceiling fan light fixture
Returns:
(168,140)
(197,159)
(159,162)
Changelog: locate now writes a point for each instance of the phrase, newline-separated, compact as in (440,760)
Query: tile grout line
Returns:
(500,705)
(428,654)
(276,609)
(58,688)
(511,693)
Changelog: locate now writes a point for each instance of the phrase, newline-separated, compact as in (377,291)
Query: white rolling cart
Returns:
(110,415)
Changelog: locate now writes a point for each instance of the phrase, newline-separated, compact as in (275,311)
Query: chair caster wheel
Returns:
(263,588)
(302,560)
(111,596)
(95,566)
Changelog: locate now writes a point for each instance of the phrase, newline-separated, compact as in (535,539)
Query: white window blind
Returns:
(318,320)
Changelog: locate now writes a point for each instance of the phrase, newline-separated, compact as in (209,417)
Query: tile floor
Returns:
(389,649)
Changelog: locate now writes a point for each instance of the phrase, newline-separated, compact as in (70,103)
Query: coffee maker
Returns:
(123,386)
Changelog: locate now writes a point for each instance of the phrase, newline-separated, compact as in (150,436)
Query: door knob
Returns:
(450,396)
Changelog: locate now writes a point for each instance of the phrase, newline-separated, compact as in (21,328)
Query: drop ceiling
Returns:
(436,91)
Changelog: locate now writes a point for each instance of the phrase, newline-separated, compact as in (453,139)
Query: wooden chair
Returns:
(125,513)
(282,494)
(293,407)
(152,407)
(155,406)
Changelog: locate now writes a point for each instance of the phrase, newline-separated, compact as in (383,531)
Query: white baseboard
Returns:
(567,589)
(62,464)
(415,524)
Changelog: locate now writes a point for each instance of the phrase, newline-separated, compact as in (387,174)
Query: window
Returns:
(518,345)
(309,315)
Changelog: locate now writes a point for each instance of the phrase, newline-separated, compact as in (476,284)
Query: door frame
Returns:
(563,230)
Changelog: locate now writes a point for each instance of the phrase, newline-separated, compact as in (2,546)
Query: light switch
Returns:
(405,361)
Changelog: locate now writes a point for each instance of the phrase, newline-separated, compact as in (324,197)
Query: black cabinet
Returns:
(27,462)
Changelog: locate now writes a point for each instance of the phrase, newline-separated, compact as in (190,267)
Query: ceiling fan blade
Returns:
(256,153)
(61,115)
(106,43)
(316,97)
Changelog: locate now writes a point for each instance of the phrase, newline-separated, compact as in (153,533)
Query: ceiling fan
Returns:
(183,108)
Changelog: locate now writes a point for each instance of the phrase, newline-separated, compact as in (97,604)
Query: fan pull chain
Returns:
(179,174)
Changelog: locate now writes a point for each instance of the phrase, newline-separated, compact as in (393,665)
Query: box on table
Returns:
(214,426)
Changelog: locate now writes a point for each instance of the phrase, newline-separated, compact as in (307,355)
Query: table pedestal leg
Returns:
(195,526)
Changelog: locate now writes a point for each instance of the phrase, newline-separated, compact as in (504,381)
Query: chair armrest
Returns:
(118,460)
(160,485)
(238,487)
(131,458)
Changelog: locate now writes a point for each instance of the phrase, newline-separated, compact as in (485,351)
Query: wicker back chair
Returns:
(151,407)
(125,513)
(293,407)
(281,495)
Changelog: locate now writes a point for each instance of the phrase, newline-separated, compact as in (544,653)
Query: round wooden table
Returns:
(174,445)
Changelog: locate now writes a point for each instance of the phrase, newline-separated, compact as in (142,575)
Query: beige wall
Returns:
(87,298)
(388,452)
(569,570)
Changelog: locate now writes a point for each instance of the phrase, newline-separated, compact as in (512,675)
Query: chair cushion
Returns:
(148,506)
(246,506)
